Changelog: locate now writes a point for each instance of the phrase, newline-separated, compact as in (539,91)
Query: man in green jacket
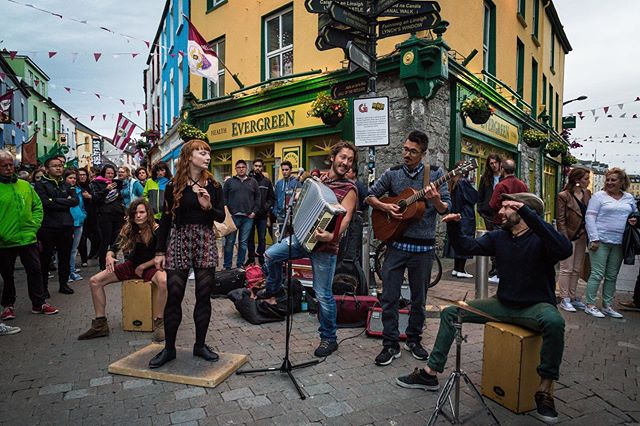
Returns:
(20,219)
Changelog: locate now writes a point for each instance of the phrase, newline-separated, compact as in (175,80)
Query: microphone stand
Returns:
(286,366)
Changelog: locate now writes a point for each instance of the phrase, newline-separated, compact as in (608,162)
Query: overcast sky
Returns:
(603,64)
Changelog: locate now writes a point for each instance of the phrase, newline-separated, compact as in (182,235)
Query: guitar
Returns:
(386,228)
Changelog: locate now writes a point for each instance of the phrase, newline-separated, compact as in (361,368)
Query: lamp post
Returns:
(579,98)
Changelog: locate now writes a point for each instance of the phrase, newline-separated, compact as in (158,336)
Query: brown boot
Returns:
(99,328)
(158,330)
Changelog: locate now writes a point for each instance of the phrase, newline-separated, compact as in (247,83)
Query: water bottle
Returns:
(303,303)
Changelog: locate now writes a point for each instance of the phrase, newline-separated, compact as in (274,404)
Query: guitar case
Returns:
(349,276)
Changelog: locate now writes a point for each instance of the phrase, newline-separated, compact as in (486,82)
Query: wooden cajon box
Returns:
(137,305)
(511,355)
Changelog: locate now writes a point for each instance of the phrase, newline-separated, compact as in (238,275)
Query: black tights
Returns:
(176,285)
(458,264)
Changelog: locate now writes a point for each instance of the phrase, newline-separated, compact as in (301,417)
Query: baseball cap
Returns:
(528,199)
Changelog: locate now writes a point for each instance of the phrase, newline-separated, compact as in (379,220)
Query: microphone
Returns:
(300,171)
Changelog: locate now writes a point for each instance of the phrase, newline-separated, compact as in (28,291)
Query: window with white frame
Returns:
(216,90)
(486,36)
(279,44)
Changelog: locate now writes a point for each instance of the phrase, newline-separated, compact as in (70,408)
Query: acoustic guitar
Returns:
(412,206)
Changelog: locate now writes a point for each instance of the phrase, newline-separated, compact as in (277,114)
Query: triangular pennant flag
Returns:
(635,116)
(615,135)
(147,43)
(144,106)
(637,99)
(68,89)
(593,111)
(97,56)
(122,100)
(134,55)
(138,111)
(37,82)
(104,117)
(92,117)
(581,117)
(12,54)
(595,119)
(173,55)
(620,106)
(580,114)
(74,57)
(606,109)
(52,54)
(609,116)
(623,115)
(97,95)
(624,135)
(180,52)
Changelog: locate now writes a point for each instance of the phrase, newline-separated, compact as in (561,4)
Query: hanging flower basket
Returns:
(555,148)
(477,109)
(534,138)
(330,111)
(569,160)
(188,132)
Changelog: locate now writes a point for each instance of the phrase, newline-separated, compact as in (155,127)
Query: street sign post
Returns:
(409,24)
(349,18)
(411,8)
(340,38)
(358,56)
(350,89)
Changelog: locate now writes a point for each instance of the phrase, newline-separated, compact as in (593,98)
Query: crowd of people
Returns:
(164,226)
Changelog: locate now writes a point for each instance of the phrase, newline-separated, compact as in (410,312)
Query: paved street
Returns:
(48,377)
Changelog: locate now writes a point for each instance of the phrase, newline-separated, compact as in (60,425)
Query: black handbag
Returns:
(226,281)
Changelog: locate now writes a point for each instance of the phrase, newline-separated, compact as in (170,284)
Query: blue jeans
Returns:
(244,225)
(323,266)
(77,233)
(259,225)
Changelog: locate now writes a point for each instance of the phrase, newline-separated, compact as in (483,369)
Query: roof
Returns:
(552,13)
(6,68)
(155,43)
(30,62)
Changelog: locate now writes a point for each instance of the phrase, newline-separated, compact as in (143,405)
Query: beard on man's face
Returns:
(512,220)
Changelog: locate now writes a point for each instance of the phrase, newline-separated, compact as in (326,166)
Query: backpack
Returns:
(254,275)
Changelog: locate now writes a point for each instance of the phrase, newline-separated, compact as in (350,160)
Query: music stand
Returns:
(286,366)
(454,380)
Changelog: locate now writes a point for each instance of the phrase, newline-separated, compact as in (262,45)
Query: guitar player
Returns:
(413,250)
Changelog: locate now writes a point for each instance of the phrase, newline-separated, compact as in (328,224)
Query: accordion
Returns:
(317,208)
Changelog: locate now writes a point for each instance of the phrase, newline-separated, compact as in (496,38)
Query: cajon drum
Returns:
(137,305)
(510,357)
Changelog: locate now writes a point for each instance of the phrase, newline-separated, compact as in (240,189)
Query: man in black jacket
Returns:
(56,232)
(267,198)
(526,249)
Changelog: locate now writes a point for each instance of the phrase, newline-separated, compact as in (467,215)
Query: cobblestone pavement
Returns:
(49,377)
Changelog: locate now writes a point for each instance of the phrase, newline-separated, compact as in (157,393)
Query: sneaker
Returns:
(494,280)
(46,309)
(419,379)
(192,275)
(8,313)
(75,277)
(593,311)
(417,351)
(608,310)
(388,354)
(77,270)
(464,275)
(567,305)
(454,273)
(577,303)
(545,408)
(325,348)
(6,330)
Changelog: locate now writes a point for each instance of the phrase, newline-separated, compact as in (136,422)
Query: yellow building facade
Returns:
(520,50)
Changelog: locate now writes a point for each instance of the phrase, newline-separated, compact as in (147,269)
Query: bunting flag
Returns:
(30,151)
(124,129)
(203,61)
(5,107)
(97,56)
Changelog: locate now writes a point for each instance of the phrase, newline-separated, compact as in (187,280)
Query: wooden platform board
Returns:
(186,368)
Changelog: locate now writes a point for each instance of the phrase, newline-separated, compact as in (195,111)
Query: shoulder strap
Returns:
(427,172)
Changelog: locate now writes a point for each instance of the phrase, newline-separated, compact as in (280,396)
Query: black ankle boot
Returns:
(205,352)
(162,358)
(65,289)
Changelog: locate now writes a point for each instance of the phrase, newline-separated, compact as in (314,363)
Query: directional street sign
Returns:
(340,38)
(350,89)
(411,8)
(409,24)
(383,5)
(360,57)
(349,17)
(322,6)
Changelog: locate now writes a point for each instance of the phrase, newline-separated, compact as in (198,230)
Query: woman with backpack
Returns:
(155,186)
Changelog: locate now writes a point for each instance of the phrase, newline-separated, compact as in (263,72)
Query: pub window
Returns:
(278,38)
(214,90)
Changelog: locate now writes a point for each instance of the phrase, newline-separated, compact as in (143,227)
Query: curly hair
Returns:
(131,233)
(487,175)
(181,179)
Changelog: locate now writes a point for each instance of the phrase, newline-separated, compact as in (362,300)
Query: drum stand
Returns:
(454,382)
(286,366)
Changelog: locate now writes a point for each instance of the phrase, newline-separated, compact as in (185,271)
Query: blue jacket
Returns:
(284,189)
(78,212)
